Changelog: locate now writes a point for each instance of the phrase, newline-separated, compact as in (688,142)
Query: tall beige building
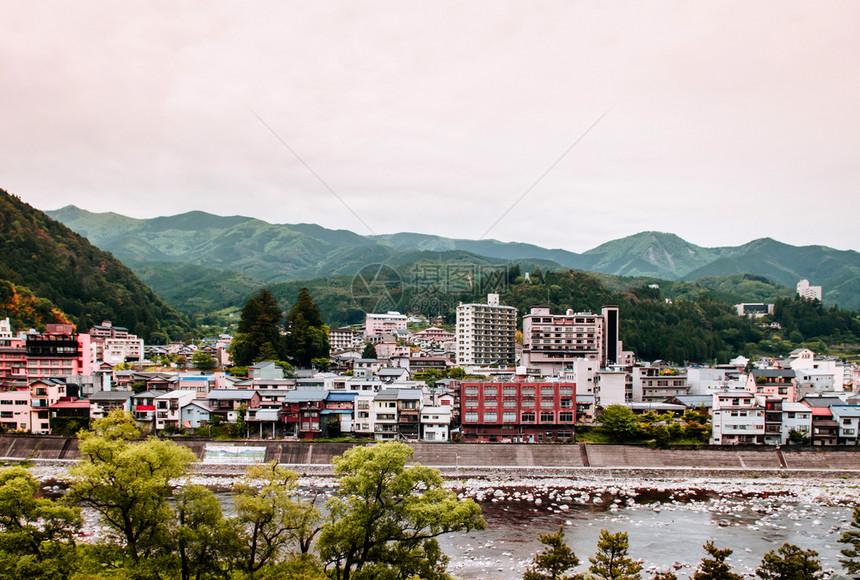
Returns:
(486,334)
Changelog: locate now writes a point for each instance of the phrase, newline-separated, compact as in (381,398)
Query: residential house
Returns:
(771,383)
(435,422)
(103,402)
(143,407)
(825,429)
(737,419)
(658,381)
(301,412)
(15,409)
(168,408)
(228,403)
(848,419)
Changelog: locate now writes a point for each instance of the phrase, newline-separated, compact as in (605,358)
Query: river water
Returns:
(667,520)
(663,537)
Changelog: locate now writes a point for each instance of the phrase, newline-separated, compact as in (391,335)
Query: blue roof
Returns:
(341,396)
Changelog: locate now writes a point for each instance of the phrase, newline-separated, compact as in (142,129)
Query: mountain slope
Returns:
(87,284)
(274,253)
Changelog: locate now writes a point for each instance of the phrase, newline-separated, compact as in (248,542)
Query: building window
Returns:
(509,403)
(547,417)
(490,391)
(491,417)
(472,391)
(509,417)
(491,402)
(528,418)
(528,403)
(509,391)
(528,391)
(565,417)
(471,403)
(547,404)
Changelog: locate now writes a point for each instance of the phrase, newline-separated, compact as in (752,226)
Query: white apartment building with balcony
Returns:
(486,334)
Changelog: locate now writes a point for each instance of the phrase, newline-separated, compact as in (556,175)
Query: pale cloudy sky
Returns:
(727,121)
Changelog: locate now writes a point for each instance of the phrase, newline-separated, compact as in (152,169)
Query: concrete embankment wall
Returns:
(509,460)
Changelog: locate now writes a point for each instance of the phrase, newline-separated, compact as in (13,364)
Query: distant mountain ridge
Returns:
(270,253)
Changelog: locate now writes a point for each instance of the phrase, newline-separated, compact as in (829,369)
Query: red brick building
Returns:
(518,412)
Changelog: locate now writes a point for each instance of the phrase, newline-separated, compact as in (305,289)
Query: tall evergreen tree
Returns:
(307,335)
(553,562)
(611,561)
(715,567)
(789,562)
(259,333)
(369,351)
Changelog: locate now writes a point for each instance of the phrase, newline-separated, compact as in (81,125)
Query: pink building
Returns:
(15,409)
(58,352)
(377,324)
(43,394)
(13,359)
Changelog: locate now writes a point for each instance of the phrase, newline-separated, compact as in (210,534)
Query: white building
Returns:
(486,334)
(611,387)
(435,422)
(168,408)
(804,290)
(848,419)
(737,419)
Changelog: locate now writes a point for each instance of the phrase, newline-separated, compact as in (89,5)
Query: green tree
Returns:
(204,361)
(385,518)
(259,336)
(611,561)
(715,567)
(307,335)
(205,542)
(272,522)
(321,363)
(553,562)
(127,482)
(851,539)
(37,535)
(369,351)
(620,422)
(789,562)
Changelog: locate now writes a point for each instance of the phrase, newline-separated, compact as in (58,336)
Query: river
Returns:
(667,520)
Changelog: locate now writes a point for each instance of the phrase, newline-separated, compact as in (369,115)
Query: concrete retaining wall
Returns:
(508,460)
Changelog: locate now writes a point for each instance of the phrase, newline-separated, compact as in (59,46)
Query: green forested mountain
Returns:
(82,283)
(273,253)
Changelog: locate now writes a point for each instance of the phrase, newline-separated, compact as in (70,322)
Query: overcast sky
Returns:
(727,121)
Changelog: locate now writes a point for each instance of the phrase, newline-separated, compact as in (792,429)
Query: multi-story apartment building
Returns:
(521,412)
(343,338)
(397,414)
(115,344)
(737,419)
(657,382)
(379,324)
(13,356)
(804,290)
(553,342)
(58,352)
(486,334)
